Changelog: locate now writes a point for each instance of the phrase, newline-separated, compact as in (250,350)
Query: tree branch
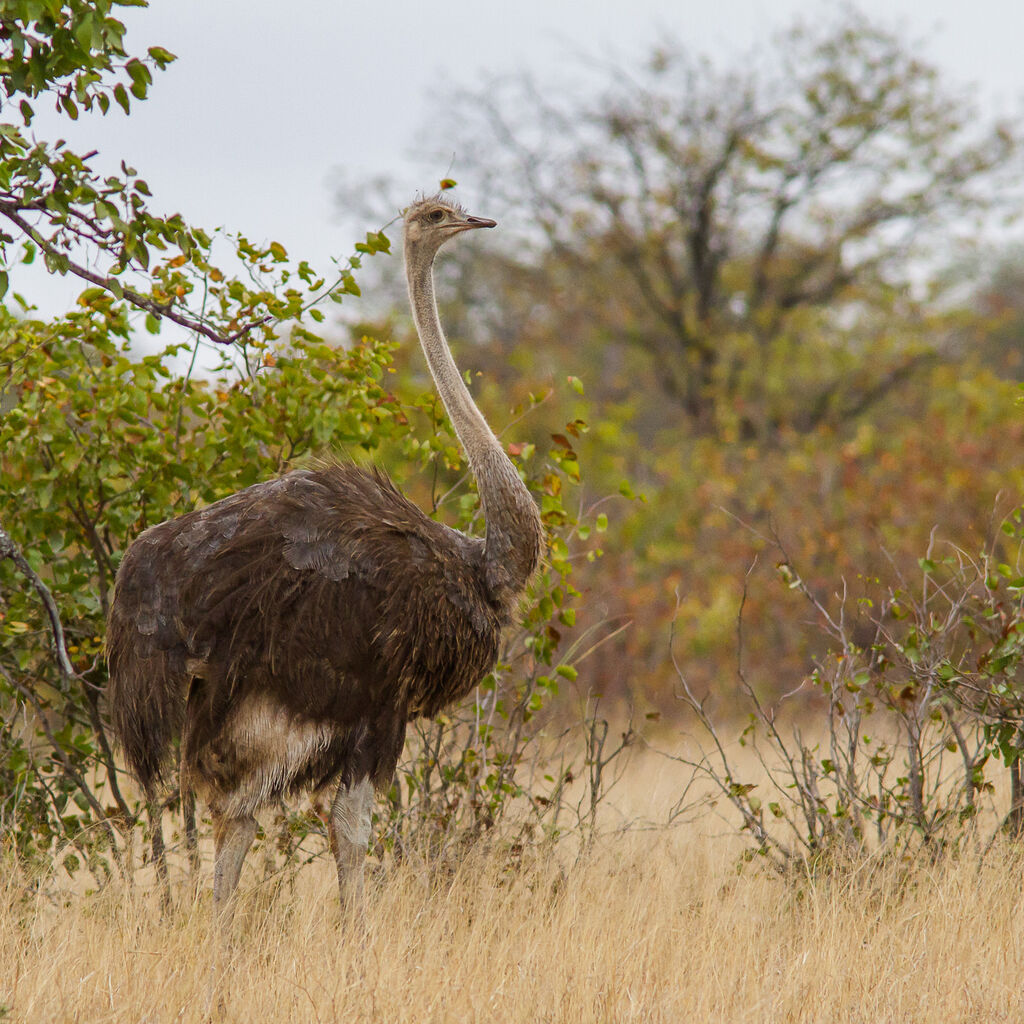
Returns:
(137,299)
(8,549)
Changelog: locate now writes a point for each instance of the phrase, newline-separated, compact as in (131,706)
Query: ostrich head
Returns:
(431,221)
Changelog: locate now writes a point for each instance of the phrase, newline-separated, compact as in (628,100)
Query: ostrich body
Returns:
(289,632)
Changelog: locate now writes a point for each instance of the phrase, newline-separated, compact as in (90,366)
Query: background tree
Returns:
(758,268)
(999,301)
(733,225)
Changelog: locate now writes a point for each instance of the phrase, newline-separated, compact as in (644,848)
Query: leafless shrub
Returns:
(917,702)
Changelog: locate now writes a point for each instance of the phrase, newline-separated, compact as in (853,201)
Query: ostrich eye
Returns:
(435,216)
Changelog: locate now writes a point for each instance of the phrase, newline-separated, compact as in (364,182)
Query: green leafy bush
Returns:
(98,442)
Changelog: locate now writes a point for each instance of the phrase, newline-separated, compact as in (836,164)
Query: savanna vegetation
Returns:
(651,926)
(778,283)
(753,336)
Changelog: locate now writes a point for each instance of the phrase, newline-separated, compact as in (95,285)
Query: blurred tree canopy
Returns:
(999,305)
(758,269)
(759,241)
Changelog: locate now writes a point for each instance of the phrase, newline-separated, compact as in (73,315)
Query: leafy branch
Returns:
(118,290)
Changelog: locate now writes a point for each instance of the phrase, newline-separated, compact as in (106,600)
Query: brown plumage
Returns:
(289,632)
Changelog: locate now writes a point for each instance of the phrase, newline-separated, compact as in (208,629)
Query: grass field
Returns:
(648,926)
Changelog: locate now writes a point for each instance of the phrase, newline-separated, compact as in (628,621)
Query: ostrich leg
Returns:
(350,832)
(232,838)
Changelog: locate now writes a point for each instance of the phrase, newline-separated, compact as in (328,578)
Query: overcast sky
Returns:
(267,99)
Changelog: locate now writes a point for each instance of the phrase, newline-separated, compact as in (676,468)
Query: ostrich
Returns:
(288,633)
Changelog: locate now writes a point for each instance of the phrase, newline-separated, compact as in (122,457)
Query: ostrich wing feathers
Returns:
(325,590)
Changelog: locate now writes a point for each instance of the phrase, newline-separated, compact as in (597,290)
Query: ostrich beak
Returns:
(480,222)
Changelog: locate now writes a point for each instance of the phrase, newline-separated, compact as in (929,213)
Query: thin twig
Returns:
(70,770)
(8,549)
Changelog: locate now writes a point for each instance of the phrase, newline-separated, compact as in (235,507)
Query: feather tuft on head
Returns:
(437,199)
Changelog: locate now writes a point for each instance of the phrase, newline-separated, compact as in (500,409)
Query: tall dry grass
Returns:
(647,926)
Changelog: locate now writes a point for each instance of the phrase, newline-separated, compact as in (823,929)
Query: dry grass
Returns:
(651,926)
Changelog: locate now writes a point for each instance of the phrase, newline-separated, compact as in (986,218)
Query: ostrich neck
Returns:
(512,545)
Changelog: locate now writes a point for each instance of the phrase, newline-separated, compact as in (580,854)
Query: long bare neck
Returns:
(512,546)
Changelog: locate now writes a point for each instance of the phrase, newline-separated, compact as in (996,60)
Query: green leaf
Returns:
(83,32)
(161,56)
(860,680)
(140,76)
(121,96)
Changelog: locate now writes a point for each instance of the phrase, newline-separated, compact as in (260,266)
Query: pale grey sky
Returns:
(267,98)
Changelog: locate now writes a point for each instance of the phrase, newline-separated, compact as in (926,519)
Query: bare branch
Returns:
(8,549)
